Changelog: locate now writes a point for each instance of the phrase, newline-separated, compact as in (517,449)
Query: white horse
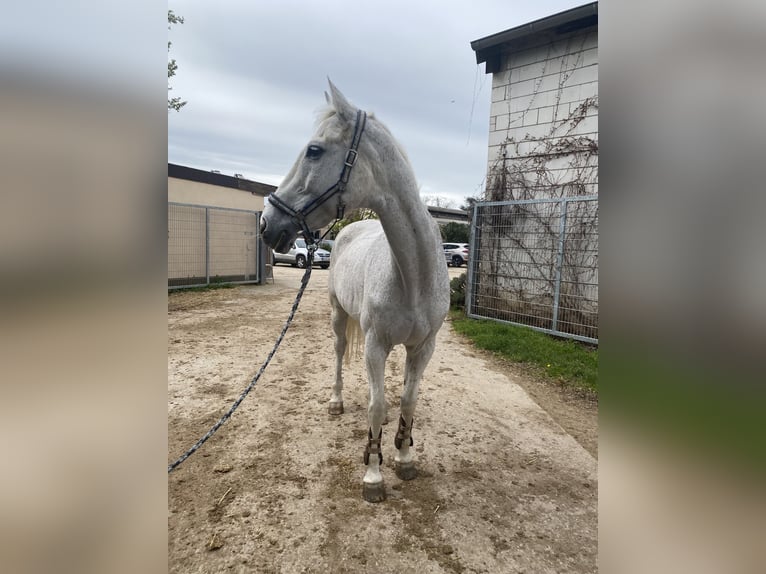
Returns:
(388,277)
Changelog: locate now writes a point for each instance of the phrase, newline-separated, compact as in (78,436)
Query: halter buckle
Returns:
(351,156)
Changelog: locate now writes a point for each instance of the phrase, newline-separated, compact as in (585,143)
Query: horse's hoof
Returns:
(335,408)
(405,470)
(374,492)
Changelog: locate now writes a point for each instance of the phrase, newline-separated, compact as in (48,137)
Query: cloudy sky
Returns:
(254,73)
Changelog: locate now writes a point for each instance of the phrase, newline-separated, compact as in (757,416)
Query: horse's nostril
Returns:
(264,223)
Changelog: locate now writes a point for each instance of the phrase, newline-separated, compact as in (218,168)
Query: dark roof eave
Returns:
(568,20)
(448,213)
(219,179)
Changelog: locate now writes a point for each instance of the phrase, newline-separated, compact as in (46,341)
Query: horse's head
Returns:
(314,191)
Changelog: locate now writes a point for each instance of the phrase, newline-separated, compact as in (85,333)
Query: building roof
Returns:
(488,49)
(445,213)
(212,178)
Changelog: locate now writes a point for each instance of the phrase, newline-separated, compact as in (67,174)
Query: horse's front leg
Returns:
(339,322)
(415,365)
(375,355)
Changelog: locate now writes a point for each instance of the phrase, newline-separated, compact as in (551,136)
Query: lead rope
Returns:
(312,247)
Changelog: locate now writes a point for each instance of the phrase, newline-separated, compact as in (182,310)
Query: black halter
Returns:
(299,215)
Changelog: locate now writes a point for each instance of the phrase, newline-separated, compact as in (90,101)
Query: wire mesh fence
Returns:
(212,245)
(535,263)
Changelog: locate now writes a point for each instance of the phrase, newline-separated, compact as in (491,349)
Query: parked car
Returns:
(455,253)
(298,255)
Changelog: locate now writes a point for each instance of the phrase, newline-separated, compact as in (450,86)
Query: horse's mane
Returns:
(328,111)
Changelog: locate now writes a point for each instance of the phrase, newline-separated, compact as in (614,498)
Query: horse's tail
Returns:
(354,338)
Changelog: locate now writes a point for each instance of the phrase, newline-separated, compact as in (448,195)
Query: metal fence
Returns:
(213,245)
(535,263)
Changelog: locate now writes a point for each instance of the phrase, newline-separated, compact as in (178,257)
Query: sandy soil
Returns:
(503,487)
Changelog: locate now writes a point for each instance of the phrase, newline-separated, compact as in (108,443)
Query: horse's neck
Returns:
(393,194)
(409,231)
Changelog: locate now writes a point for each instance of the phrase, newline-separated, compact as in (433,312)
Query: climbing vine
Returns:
(525,259)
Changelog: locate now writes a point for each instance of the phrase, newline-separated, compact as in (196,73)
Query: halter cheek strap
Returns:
(299,215)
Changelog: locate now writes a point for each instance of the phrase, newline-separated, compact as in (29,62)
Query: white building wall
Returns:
(198,193)
(543,143)
(546,97)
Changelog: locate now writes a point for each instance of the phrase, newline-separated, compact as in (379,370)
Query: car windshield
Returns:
(300,243)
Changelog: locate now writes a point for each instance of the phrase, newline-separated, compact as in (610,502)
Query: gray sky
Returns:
(254,73)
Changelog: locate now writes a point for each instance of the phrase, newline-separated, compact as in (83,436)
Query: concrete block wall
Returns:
(536,96)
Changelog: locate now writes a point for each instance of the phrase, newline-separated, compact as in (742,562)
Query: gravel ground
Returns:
(503,487)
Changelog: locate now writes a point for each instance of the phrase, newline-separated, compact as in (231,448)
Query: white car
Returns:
(298,255)
(455,253)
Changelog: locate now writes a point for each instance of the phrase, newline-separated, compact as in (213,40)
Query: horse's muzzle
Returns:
(279,238)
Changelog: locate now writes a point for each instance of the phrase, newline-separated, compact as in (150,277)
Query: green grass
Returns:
(562,360)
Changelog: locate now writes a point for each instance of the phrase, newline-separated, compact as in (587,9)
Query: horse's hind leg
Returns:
(339,321)
(415,365)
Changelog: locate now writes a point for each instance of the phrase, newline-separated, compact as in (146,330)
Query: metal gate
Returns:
(209,245)
(535,263)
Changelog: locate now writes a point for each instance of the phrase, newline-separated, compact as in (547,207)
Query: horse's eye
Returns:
(314,151)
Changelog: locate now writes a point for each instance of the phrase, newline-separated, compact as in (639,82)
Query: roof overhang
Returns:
(219,179)
(490,48)
(448,214)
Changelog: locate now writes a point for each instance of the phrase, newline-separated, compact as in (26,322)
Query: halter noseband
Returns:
(299,215)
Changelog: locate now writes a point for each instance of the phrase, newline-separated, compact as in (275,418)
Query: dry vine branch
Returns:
(516,241)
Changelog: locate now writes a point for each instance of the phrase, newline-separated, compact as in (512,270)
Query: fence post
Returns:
(207,246)
(474,245)
(260,264)
(559,264)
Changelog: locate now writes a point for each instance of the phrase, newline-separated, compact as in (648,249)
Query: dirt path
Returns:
(502,487)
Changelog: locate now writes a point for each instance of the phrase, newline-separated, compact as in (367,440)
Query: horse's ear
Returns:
(343,107)
(327,98)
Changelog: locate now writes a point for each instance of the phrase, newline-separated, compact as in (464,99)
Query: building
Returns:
(199,187)
(443,215)
(213,227)
(543,124)
(535,234)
